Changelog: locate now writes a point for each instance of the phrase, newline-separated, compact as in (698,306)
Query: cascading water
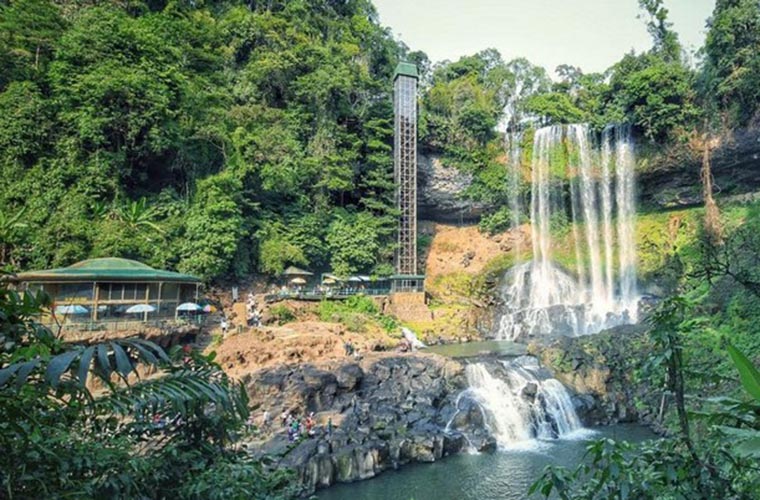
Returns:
(591,189)
(520,402)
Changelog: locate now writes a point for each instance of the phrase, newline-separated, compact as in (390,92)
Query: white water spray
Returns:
(520,404)
(600,292)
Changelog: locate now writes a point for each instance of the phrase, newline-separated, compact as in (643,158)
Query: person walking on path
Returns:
(225,325)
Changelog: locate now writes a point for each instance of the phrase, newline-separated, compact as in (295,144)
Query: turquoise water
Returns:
(502,475)
(469,349)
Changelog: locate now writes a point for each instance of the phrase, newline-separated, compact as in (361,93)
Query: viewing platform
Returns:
(333,289)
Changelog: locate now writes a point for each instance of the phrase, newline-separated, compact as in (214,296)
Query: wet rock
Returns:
(440,190)
(349,376)
(530,390)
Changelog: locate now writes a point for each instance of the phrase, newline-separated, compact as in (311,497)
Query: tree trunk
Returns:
(712,214)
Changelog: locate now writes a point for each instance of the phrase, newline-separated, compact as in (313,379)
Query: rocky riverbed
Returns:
(387,410)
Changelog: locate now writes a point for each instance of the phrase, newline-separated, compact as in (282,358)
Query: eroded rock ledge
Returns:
(388,410)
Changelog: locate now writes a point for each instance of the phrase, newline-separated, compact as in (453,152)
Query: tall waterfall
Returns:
(520,401)
(581,191)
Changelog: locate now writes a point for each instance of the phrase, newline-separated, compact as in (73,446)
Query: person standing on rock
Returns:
(310,425)
(265,420)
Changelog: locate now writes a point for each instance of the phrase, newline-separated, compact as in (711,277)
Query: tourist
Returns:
(285,418)
(329,427)
(295,427)
(224,325)
(310,425)
(265,420)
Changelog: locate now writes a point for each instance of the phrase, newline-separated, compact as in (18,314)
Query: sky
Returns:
(590,34)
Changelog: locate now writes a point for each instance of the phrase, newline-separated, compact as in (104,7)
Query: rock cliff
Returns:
(387,410)
(439,193)
(671,178)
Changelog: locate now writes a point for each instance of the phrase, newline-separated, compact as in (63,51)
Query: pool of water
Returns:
(502,475)
(469,349)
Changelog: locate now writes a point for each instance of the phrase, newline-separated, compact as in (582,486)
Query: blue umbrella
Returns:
(72,309)
(189,306)
(140,308)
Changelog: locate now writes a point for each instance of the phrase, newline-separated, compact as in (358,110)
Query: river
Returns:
(502,475)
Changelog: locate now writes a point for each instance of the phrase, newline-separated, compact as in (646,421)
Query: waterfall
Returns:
(581,192)
(520,402)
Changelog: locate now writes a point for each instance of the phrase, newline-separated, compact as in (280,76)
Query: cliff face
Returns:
(387,410)
(671,178)
(439,192)
(667,178)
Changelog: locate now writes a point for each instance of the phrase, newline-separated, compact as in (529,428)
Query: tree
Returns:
(30,29)
(165,436)
(214,229)
(666,44)
(10,226)
(732,62)
(353,243)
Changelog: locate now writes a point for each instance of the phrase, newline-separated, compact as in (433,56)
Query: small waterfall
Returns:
(584,193)
(520,401)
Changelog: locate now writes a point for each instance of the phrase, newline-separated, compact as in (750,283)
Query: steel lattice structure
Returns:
(405,167)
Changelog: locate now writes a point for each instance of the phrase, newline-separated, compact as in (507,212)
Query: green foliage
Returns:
(214,228)
(165,436)
(666,43)
(353,242)
(499,221)
(748,374)
(282,314)
(655,95)
(214,123)
(555,108)
(356,312)
(732,62)
(716,462)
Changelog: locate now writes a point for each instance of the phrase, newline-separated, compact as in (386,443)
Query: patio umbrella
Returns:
(208,308)
(73,309)
(189,306)
(296,271)
(298,281)
(329,281)
(140,308)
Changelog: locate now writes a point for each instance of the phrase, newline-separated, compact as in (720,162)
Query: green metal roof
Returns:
(107,269)
(406,69)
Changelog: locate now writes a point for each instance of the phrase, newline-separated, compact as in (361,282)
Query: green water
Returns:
(502,475)
(469,349)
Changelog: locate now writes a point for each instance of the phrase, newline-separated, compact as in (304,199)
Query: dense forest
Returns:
(225,139)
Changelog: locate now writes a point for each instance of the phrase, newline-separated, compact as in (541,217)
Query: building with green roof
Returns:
(105,289)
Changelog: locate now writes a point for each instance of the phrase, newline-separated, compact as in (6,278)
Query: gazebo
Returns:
(111,288)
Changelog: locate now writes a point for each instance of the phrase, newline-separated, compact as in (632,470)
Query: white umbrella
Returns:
(298,281)
(140,308)
(74,309)
(189,306)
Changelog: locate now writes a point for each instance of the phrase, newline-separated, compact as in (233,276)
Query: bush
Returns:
(283,314)
(355,313)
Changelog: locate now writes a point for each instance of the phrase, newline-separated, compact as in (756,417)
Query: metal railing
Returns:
(330,294)
(120,324)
